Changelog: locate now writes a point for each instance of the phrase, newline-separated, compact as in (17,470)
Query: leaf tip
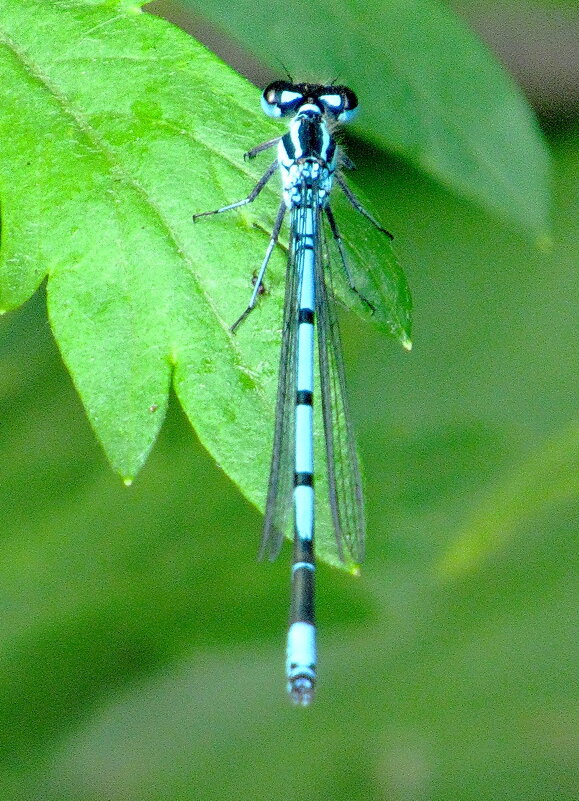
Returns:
(406,342)
(128,481)
(130,6)
(544,243)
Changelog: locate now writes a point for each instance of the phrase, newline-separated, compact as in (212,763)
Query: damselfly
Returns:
(309,161)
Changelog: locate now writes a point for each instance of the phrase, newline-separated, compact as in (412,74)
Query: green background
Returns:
(142,645)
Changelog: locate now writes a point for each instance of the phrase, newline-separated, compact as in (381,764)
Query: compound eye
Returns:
(350,104)
(332,102)
(339,101)
(280,99)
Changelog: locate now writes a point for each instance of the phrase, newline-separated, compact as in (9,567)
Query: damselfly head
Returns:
(284,99)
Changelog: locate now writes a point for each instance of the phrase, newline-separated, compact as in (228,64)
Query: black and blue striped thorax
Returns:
(307,157)
(309,138)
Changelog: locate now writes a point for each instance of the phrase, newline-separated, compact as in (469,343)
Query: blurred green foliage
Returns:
(141,645)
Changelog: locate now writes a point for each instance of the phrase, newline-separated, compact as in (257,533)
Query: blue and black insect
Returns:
(309,161)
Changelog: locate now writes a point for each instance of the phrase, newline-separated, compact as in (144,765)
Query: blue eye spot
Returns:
(333,101)
(289,97)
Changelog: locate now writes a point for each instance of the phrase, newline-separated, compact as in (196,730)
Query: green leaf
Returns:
(429,90)
(116,128)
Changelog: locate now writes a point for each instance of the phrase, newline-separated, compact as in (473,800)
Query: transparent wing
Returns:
(281,477)
(344,480)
